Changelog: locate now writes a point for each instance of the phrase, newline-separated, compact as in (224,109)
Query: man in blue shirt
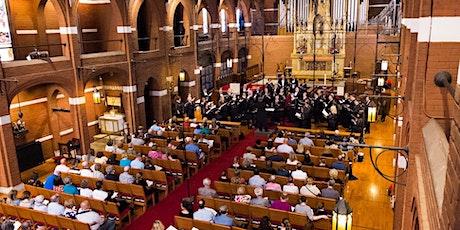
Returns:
(192,147)
(257,180)
(339,164)
(137,163)
(203,213)
(222,217)
(49,182)
(155,127)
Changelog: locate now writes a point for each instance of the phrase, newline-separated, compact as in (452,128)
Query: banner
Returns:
(6,52)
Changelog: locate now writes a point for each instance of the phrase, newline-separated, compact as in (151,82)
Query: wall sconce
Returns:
(371,112)
(342,216)
(380,81)
(182,75)
(96,96)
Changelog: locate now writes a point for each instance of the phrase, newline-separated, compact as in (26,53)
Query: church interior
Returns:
(230,114)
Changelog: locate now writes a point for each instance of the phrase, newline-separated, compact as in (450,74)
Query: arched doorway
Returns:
(42,120)
(206,61)
(106,103)
(242,60)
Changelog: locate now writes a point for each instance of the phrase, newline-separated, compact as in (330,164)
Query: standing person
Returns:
(261,115)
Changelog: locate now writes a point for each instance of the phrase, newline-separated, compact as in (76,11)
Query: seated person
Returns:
(54,207)
(206,190)
(154,153)
(137,163)
(186,207)
(272,185)
(282,171)
(99,193)
(203,213)
(12,198)
(290,187)
(100,158)
(34,181)
(109,147)
(69,188)
(197,130)
(330,192)
(125,177)
(86,171)
(339,164)
(249,156)
(154,128)
(222,217)
(256,180)
(39,205)
(62,167)
(307,159)
(97,171)
(292,160)
(139,180)
(224,177)
(269,147)
(279,138)
(285,147)
(275,157)
(84,190)
(88,216)
(306,140)
(125,161)
(26,200)
(298,174)
(334,175)
(110,173)
(51,179)
(310,189)
(241,196)
(70,210)
(259,200)
(113,160)
(282,203)
(258,145)
(304,209)
(192,147)
(236,179)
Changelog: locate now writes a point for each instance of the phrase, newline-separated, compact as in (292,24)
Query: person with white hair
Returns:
(137,163)
(39,205)
(310,189)
(206,190)
(125,177)
(88,216)
(62,167)
(259,200)
(54,207)
(306,141)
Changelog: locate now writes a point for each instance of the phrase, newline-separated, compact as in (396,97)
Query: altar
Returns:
(111,123)
(319,44)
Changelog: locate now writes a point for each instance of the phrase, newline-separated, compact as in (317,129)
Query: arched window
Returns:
(239,20)
(227,64)
(223,21)
(205,15)
(179,29)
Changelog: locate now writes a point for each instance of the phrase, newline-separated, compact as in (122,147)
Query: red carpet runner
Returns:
(170,206)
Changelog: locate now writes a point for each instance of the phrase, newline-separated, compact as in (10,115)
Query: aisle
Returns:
(170,206)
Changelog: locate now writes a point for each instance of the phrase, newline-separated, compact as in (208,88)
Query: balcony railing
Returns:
(21,52)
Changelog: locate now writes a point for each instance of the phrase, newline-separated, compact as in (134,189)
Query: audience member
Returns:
(192,147)
(259,145)
(62,167)
(279,139)
(54,207)
(86,171)
(285,148)
(298,174)
(98,193)
(125,177)
(310,189)
(241,196)
(269,168)
(34,181)
(259,200)
(257,180)
(186,207)
(70,210)
(339,164)
(137,163)
(306,140)
(69,188)
(26,200)
(272,185)
(84,190)
(275,157)
(125,161)
(12,198)
(282,203)
(206,190)
(203,213)
(290,187)
(330,192)
(109,147)
(304,209)
(157,225)
(334,175)
(97,171)
(282,171)
(265,224)
(285,224)
(154,153)
(110,173)
(113,160)
(224,177)
(39,205)
(236,179)
(222,217)
(88,216)
(292,160)
(100,158)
